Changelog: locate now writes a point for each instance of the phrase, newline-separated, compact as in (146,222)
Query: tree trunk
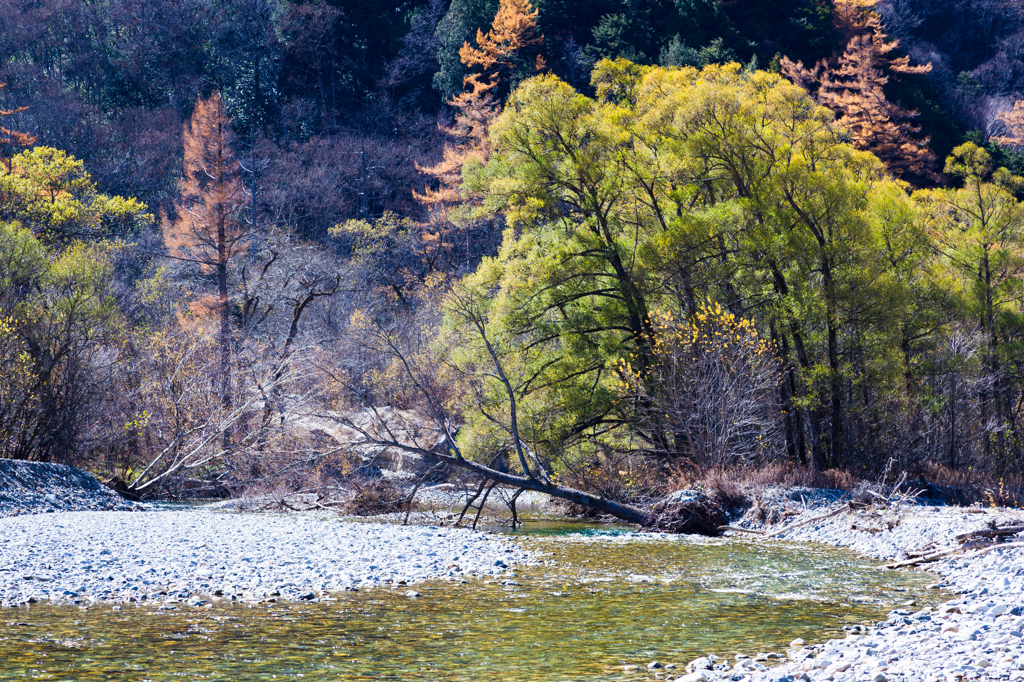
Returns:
(837,450)
(787,390)
(986,325)
(225,323)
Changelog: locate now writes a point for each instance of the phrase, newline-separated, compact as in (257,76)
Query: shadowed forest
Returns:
(599,248)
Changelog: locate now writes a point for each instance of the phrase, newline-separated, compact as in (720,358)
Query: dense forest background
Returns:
(310,85)
(235,232)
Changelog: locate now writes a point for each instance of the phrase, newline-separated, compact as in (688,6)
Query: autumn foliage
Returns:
(502,57)
(853,86)
(715,387)
(209,227)
(502,54)
(12,140)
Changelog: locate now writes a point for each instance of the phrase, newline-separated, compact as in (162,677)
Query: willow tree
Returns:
(209,227)
(61,328)
(803,239)
(566,294)
(977,232)
(49,191)
(671,189)
(60,319)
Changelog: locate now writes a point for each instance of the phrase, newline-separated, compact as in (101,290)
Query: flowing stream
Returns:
(601,601)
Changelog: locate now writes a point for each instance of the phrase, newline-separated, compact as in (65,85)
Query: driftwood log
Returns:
(967,543)
(990,538)
(805,522)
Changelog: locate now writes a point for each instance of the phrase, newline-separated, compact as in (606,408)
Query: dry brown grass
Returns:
(372,497)
(960,487)
(732,485)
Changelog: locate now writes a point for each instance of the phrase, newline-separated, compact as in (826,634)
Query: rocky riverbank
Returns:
(40,487)
(975,636)
(201,555)
(65,537)
(196,556)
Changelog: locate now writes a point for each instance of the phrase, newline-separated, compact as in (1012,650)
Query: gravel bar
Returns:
(176,557)
(41,487)
(198,555)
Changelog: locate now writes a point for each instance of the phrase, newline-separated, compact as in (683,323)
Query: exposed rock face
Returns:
(40,487)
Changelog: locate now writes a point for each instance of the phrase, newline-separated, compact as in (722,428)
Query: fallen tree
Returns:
(433,434)
(970,545)
(386,434)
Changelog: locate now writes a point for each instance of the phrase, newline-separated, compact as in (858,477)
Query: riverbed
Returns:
(587,605)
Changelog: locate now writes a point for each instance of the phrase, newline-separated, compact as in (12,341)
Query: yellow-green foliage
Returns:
(675,188)
(57,314)
(17,377)
(50,192)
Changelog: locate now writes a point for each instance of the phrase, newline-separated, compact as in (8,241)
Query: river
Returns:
(601,601)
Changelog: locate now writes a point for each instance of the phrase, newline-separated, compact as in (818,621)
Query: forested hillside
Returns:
(583,247)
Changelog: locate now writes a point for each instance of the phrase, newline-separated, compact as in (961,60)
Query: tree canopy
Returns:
(678,188)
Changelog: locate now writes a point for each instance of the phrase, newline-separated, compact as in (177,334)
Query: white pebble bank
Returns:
(192,555)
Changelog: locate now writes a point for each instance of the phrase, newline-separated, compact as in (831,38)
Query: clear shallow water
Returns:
(610,600)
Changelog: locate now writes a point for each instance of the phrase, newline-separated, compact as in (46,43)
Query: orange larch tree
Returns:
(12,140)
(503,52)
(503,58)
(210,227)
(852,85)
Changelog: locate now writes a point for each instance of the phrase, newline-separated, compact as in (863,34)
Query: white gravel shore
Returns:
(976,636)
(194,556)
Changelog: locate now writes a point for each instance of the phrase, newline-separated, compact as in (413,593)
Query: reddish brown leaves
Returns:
(208,228)
(852,85)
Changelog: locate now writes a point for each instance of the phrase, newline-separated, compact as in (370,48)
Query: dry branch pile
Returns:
(972,544)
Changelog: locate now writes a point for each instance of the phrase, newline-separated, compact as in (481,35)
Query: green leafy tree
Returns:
(676,187)
(61,326)
(57,303)
(565,284)
(977,232)
(50,193)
